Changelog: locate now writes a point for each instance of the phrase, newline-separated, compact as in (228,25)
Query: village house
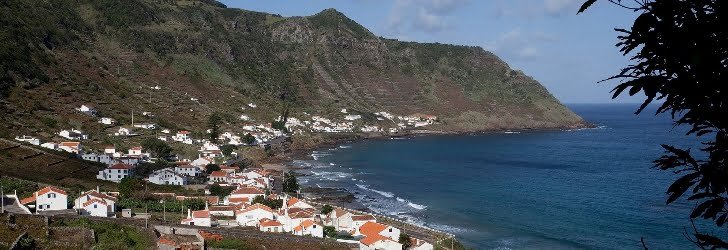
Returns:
(124,132)
(71,147)
(95,203)
(103,158)
(87,109)
(417,244)
(198,218)
(135,151)
(202,161)
(188,170)
(149,126)
(115,172)
(294,202)
(167,176)
(252,215)
(73,134)
(229,169)
(47,198)
(28,139)
(50,145)
(378,242)
(271,226)
(181,136)
(244,193)
(373,228)
(335,217)
(110,150)
(351,222)
(223,210)
(218,177)
(309,227)
(107,121)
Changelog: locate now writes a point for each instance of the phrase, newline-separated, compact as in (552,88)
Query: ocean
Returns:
(564,189)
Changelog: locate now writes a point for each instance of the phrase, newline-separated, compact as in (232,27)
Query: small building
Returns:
(28,139)
(87,109)
(107,121)
(149,126)
(202,161)
(271,226)
(135,151)
(198,218)
(96,207)
(376,242)
(373,228)
(252,215)
(417,244)
(167,176)
(246,192)
(47,198)
(70,146)
(95,194)
(294,202)
(188,170)
(218,176)
(110,150)
(73,134)
(308,227)
(115,172)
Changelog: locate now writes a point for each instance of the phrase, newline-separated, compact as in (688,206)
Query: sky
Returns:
(546,39)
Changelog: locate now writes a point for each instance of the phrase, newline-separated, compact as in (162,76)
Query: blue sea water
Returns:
(581,189)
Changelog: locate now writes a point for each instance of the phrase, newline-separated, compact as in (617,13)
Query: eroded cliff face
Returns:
(109,52)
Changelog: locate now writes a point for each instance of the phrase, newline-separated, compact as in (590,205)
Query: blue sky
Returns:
(567,53)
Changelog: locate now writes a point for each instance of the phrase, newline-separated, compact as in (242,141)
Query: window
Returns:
(51,195)
(95,206)
(390,230)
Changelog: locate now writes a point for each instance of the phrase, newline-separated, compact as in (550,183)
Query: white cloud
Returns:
(535,9)
(558,7)
(520,45)
(431,16)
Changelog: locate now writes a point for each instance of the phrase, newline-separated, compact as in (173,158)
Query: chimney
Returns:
(206,208)
(189,213)
(97,189)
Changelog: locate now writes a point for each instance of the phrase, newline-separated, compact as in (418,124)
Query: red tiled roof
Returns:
(222,208)
(120,166)
(362,217)
(184,132)
(95,194)
(254,207)
(47,189)
(218,174)
(248,190)
(92,201)
(265,222)
(371,239)
(238,200)
(292,201)
(72,144)
(137,148)
(201,214)
(304,224)
(30,199)
(372,228)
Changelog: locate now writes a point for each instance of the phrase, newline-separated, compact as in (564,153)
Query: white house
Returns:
(202,161)
(181,136)
(167,176)
(295,216)
(246,192)
(107,121)
(87,109)
(222,210)
(198,218)
(378,242)
(47,198)
(251,215)
(352,117)
(373,228)
(70,146)
(336,219)
(252,105)
(135,151)
(109,203)
(308,227)
(417,244)
(123,132)
(115,172)
(109,150)
(73,134)
(271,226)
(244,117)
(218,176)
(103,158)
(188,170)
(28,139)
(149,126)
(352,222)
(294,202)
(50,145)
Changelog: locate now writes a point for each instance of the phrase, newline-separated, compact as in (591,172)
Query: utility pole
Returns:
(2,199)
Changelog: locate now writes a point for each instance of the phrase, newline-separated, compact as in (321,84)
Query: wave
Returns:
(512,132)
(412,205)
(382,193)
(331,176)
(344,146)
(582,129)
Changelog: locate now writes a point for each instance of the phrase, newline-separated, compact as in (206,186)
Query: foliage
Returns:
(248,139)
(159,148)
(152,204)
(213,124)
(211,168)
(290,183)
(129,186)
(220,191)
(330,232)
(279,125)
(26,242)
(679,50)
(274,204)
(228,243)
(326,209)
(227,149)
(405,240)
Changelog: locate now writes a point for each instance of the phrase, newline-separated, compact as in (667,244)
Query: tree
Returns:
(279,125)
(274,204)
(128,186)
(159,148)
(227,149)
(330,232)
(326,209)
(248,139)
(290,184)
(219,191)
(213,124)
(678,51)
(405,240)
(211,168)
